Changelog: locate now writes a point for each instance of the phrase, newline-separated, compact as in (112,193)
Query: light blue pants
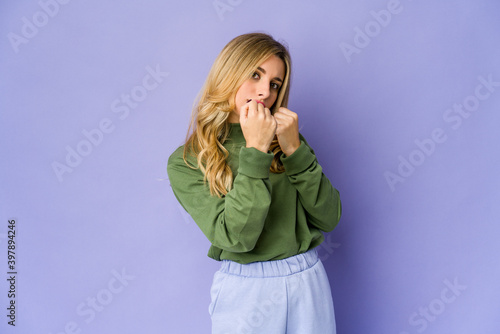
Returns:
(289,296)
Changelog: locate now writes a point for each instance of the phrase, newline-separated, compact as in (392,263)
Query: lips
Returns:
(258,101)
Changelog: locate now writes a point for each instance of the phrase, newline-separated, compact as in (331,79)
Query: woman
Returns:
(253,185)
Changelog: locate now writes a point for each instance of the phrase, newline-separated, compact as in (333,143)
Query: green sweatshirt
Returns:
(265,216)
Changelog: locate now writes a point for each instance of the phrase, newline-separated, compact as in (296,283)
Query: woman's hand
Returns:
(258,125)
(287,130)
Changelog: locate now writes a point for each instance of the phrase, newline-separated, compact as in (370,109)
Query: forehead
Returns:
(274,67)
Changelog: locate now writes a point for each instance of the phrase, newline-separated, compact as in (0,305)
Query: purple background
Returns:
(396,251)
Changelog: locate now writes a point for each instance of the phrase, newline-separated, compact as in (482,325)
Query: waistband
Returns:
(275,268)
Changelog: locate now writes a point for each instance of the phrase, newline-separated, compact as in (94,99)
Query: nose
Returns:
(263,89)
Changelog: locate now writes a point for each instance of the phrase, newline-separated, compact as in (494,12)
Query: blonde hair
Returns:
(236,63)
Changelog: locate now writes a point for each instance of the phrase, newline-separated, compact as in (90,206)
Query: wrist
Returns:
(257,147)
(290,150)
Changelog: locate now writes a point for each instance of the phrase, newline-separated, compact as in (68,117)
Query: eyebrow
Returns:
(264,71)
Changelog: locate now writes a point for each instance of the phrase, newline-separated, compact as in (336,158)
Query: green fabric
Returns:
(265,216)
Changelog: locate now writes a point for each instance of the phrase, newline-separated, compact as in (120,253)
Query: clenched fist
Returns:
(258,125)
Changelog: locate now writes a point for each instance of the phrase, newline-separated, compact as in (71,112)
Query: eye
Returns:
(256,75)
(274,85)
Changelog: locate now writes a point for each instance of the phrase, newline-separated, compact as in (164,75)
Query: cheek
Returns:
(239,98)
(244,89)
(273,98)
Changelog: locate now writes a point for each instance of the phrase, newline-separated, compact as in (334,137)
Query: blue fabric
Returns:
(289,296)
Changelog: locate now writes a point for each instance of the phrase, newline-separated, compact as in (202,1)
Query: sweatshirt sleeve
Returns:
(235,221)
(316,194)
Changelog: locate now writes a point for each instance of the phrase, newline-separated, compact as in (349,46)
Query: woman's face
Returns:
(264,86)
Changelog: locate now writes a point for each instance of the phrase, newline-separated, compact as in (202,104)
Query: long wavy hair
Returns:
(209,126)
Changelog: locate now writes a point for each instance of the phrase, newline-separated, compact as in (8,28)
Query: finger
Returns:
(279,127)
(287,118)
(252,107)
(260,106)
(282,117)
(244,111)
(287,111)
(260,102)
(269,116)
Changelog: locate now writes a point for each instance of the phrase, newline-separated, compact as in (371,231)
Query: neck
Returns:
(233,118)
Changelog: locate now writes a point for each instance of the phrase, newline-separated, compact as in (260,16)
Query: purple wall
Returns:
(399,99)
